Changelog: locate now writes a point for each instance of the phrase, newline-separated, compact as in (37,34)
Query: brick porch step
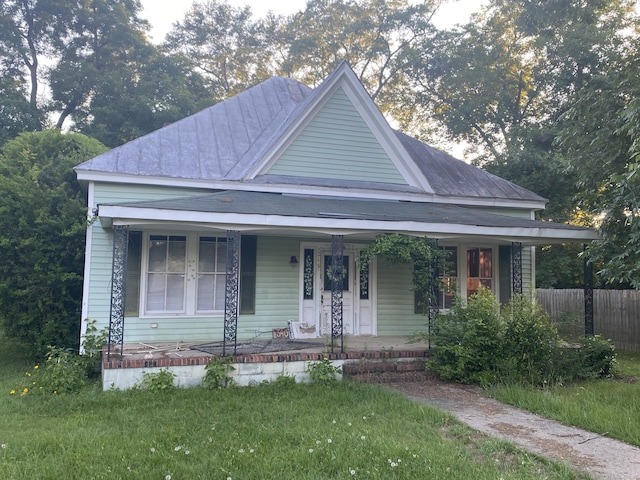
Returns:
(386,371)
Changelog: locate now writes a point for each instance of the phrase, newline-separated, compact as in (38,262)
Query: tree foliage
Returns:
(526,85)
(422,253)
(602,133)
(43,224)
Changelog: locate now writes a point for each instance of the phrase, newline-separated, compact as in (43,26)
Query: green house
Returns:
(227,224)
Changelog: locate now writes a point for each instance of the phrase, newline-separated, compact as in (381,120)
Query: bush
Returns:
(323,372)
(217,373)
(477,342)
(468,340)
(530,341)
(43,221)
(161,381)
(590,357)
(64,371)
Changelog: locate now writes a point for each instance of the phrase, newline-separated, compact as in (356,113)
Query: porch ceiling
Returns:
(271,213)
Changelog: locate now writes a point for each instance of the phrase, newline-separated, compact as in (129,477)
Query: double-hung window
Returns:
(479,269)
(212,265)
(185,274)
(166,274)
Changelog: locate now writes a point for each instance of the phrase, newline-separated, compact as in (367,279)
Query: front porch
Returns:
(280,357)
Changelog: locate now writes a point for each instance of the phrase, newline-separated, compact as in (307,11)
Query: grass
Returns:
(607,407)
(340,431)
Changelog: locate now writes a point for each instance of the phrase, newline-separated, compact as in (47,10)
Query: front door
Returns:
(358,292)
(348,327)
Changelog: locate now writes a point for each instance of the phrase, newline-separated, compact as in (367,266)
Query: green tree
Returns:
(107,36)
(42,229)
(376,37)
(29,32)
(503,82)
(602,134)
(224,44)
(143,97)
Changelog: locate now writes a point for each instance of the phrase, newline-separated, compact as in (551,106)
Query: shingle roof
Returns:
(449,176)
(248,203)
(224,142)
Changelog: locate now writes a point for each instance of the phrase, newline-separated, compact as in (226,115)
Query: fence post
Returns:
(588,295)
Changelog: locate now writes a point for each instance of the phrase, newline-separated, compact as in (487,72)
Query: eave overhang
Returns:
(295,215)
(276,186)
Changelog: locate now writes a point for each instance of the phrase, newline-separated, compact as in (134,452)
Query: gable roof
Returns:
(237,142)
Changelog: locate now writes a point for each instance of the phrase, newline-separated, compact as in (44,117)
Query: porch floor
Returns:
(136,355)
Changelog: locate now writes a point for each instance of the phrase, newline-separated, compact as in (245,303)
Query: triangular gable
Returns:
(341,134)
(337,144)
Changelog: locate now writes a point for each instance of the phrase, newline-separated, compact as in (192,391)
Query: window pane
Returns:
(449,293)
(157,254)
(177,254)
(220,291)
(472,286)
(205,292)
(341,272)
(207,255)
(479,269)
(175,292)
(155,291)
(222,258)
(308,273)
(485,263)
(473,263)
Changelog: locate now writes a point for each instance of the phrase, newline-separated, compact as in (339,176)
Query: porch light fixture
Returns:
(293,260)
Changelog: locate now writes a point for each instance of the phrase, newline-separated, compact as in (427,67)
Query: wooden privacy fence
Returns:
(616,314)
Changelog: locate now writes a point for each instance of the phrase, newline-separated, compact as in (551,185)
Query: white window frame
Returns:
(461,278)
(191,277)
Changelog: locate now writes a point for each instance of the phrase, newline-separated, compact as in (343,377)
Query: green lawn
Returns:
(344,430)
(608,407)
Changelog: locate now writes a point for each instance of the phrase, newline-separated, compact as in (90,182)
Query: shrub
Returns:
(323,372)
(477,343)
(530,341)
(43,221)
(284,381)
(590,357)
(468,340)
(217,373)
(161,381)
(92,342)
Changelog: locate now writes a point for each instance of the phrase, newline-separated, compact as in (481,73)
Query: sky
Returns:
(163,13)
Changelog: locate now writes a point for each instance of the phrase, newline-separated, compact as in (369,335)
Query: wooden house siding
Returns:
(337,144)
(277,286)
(99,294)
(276,297)
(396,314)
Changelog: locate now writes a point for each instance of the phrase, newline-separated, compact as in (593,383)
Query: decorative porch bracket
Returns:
(337,282)
(589,329)
(231,292)
(516,268)
(118,287)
